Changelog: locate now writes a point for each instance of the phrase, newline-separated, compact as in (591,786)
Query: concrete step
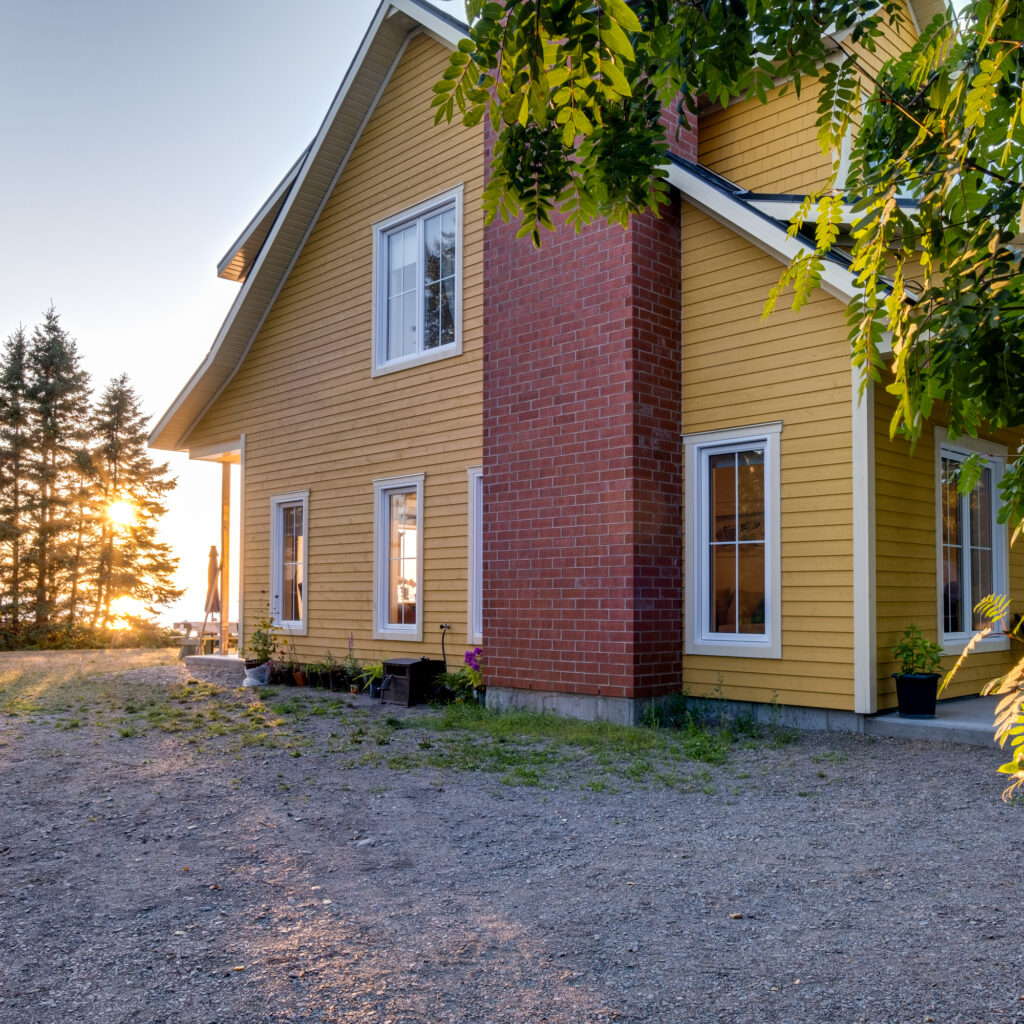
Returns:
(223,669)
(961,720)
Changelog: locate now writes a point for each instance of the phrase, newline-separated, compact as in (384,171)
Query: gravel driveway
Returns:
(147,878)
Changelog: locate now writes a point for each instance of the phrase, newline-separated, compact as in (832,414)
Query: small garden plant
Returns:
(917,655)
(466,681)
(262,641)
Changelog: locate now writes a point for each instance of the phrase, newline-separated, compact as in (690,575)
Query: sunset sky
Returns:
(139,140)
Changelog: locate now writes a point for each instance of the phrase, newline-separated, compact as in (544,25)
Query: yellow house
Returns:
(596,460)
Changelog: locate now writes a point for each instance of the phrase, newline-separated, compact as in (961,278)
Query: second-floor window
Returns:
(417,284)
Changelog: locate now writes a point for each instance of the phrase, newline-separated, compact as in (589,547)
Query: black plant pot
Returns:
(280,675)
(915,694)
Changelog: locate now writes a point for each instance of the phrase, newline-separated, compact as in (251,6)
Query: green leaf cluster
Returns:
(576,90)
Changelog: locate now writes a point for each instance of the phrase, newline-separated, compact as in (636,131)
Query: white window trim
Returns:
(954,643)
(379,365)
(698,638)
(294,627)
(382,629)
(474,561)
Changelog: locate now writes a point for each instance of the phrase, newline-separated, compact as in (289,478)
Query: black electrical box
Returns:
(409,681)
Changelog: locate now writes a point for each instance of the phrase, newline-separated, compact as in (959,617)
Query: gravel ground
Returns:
(838,878)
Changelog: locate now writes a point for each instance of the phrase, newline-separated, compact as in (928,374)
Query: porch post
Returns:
(225,551)
(865,641)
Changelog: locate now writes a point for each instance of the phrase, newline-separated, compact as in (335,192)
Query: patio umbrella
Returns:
(213,589)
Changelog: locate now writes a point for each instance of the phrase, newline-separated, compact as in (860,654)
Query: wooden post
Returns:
(225,560)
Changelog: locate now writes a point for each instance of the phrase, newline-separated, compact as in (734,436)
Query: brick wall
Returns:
(582,466)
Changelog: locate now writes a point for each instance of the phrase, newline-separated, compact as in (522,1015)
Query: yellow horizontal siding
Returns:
(315,418)
(773,147)
(767,147)
(741,370)
(906,556)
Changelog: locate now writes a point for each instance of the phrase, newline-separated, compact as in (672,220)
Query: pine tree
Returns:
(130,561)
(14,450)
(57,401)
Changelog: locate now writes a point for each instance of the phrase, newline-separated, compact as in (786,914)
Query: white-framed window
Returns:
(733,548)
(398,558)
(475,564)
(289,532)
(972,545)
(417,284)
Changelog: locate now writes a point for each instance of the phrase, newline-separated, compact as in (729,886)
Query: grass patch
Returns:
(82,690)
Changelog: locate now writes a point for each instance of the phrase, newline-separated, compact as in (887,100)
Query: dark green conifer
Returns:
(14,450)
(57,398)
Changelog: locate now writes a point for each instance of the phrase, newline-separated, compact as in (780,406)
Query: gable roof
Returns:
(744,212)
(236,263)
(274,238)
(265,252)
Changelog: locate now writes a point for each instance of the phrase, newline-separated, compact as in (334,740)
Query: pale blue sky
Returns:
(139,140)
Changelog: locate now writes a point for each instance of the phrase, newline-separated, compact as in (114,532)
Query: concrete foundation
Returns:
(586,707)
(961,720)
(223,669)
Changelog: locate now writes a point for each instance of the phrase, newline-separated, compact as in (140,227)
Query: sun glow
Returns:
(122,513)
(124,609)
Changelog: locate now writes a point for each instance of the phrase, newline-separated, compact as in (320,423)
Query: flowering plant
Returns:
(475,673)
(465,682)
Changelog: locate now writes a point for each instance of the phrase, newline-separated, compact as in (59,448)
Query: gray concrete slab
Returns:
(963,720)
(223,669)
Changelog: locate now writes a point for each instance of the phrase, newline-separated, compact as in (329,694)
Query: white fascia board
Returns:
(786,209)
(433,21)
(757,229)
(286,183)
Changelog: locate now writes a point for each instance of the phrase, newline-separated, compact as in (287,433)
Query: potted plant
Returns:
(315,674)
(917,682)
(260,647)
(349,673)
(281,667)
(369,676)
(329,672)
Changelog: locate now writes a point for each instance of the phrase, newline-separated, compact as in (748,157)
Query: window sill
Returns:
(731,649)
(435,354)
(954,648)
(407,635)
(291,629)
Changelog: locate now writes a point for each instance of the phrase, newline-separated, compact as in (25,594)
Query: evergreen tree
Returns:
(14,451)
(130,492)
(57,401)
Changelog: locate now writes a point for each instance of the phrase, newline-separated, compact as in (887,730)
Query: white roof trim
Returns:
(392,26)
(756,228)
(432,21)
(261,215)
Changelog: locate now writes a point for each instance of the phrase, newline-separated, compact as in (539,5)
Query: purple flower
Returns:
(473,658)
